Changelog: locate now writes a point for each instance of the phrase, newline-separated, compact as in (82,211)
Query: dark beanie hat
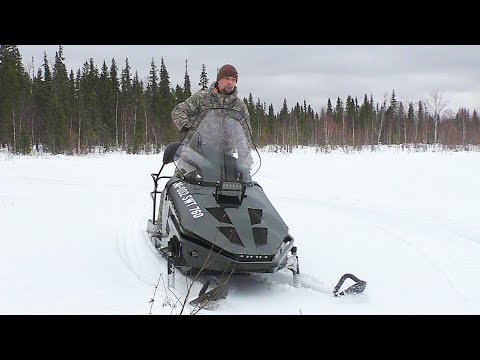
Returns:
(227,70)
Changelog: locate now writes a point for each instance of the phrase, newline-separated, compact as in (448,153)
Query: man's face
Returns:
(226,85)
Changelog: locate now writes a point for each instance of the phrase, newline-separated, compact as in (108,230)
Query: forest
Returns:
(111,108)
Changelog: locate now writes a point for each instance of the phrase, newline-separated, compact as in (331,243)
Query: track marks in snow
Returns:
(133,247)
(447,259)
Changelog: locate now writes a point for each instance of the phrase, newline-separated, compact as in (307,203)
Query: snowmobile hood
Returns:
(215,198)
(253,228)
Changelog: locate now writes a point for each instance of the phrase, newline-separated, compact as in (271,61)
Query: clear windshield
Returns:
(219,147)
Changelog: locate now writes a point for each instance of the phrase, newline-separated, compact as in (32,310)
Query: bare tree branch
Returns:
(436,104)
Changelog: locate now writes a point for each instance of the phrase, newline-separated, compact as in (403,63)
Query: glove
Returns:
(185,129)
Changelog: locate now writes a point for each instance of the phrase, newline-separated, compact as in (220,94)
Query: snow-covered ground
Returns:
(73,235)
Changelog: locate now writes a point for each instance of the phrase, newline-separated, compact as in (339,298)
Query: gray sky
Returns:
(302,72)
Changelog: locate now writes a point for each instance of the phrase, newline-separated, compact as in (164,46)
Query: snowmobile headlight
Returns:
(231,186)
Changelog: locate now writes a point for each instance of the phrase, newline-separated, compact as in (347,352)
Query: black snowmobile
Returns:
(213,219)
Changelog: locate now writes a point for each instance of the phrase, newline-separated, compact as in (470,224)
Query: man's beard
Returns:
(225,91)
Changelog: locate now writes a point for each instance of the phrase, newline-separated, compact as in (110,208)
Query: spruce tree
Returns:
(138,131)
(475,128)
(179,94)
(187,88)
(410,121)
(203,78)
(14,89)
(114,95)
(126,105)
(107,108)
(153,102)
(58,114)
(167,103)
(329,109)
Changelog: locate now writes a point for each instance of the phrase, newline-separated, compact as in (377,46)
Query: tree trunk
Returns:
(325,130)
(134,119)
(116,121)
(296,126)
(33,116)
(79,149)
(14,134)
(146,130)
(125,130)
(380,129)
(353,132)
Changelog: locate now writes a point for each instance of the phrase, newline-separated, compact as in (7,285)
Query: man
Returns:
(223,93)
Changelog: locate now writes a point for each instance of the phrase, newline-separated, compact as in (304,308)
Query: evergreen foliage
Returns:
(74,111)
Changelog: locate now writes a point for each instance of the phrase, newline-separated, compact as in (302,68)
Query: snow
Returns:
(73,235)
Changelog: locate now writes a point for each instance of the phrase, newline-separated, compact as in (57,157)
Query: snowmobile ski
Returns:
(218,292)
(356,288)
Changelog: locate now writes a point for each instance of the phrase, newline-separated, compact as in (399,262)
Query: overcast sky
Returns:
(302,72)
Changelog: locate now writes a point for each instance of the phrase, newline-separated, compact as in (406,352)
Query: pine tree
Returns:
(153,103)
(138,115)
(126,105)
(152,85)
(107,108)
(47,75)
(401,125)
(58,114)
(114,96)
(79,110)
(166,105)
(164,84)
(179,94)
(73,110)
(410,122)
(338,112)
(420,122)
(187,88)
(364,119)
(92,108)
(272,125)
(14,89)
(284,111)
(329,109)
(475,128)
(350,118)
(203,78)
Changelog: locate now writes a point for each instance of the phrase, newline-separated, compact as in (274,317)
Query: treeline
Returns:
(111,108)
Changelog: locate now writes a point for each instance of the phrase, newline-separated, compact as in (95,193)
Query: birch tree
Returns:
(436,104)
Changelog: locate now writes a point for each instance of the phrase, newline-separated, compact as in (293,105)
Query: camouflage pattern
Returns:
(184,114)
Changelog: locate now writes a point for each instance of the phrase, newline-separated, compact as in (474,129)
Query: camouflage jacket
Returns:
(184,114)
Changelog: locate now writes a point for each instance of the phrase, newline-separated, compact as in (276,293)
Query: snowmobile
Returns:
(213,218)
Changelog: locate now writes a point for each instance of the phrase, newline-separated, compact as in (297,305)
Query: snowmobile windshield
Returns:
(218,147)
